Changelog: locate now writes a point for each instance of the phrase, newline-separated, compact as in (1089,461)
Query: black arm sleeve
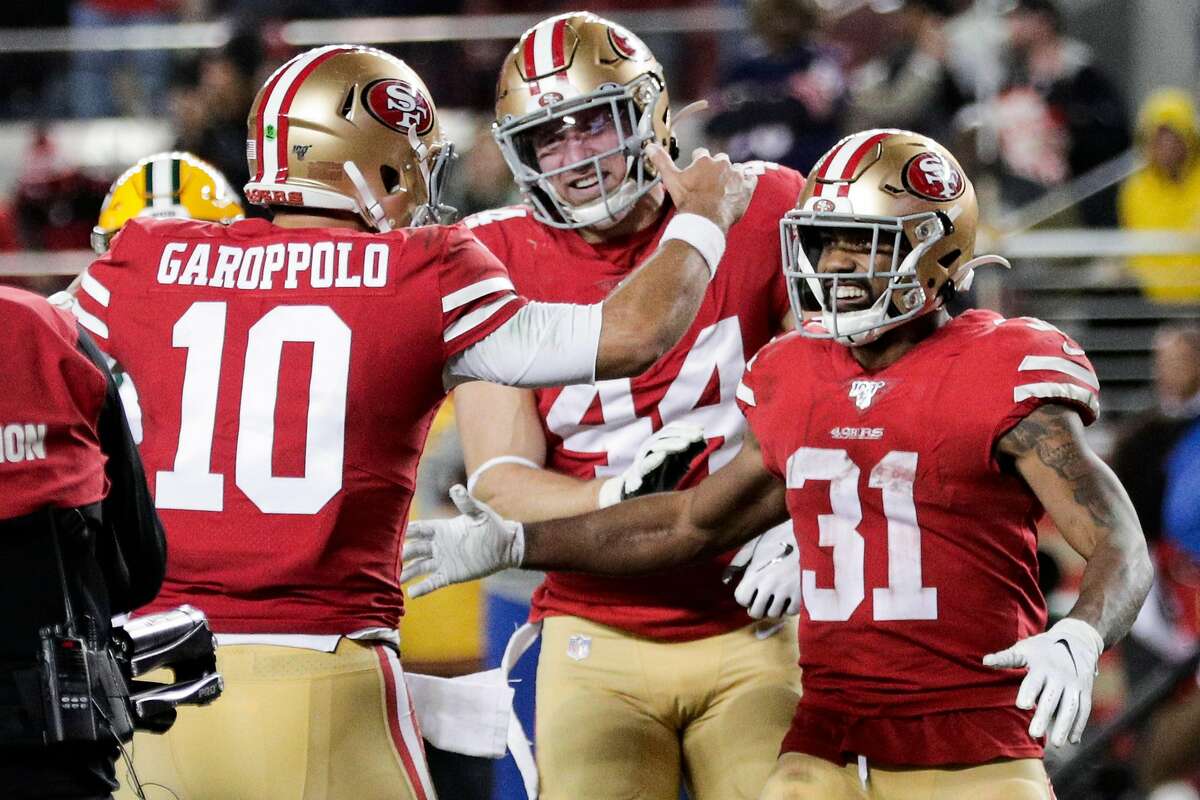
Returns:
(133,553)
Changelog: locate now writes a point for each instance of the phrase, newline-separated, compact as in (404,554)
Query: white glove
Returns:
(770,567)
(673,439)
(476,544)
(1062,665)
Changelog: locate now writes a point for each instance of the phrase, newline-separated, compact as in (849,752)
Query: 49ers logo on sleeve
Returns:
(399,105)
(933,177)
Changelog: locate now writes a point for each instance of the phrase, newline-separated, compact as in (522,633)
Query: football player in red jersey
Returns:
(643,683)
(914,454)
(287,375)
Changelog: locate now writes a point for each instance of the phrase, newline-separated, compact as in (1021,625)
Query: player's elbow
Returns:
(629,350)
(497,487)
(625,361)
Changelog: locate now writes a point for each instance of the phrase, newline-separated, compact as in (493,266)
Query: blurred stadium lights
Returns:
(365,30)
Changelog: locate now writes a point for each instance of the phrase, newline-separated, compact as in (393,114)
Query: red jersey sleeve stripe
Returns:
(90,305)
(1065,366)
(95,289)
(1065,391)
(475,291)
(475,318)
(94,324)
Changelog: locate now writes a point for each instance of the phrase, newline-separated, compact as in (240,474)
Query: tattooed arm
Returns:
(1091,510)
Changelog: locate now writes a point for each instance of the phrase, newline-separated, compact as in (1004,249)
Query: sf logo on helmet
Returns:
(933,177)
(399,105)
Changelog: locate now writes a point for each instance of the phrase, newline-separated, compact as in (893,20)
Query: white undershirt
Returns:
(543,344)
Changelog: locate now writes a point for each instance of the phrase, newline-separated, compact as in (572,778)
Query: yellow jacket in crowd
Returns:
(1154,199)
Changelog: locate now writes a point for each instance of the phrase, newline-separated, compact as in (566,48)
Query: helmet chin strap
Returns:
(367,201)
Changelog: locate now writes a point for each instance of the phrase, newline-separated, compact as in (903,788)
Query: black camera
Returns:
(90,694)
(180,640)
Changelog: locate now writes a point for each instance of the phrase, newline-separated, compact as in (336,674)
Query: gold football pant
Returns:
(803,777)
(292,724)
(625,718)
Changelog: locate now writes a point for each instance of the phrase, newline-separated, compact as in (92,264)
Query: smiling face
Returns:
(848,252)
(575,139)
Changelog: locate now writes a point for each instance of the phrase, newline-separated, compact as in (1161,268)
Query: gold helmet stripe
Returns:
(271,136)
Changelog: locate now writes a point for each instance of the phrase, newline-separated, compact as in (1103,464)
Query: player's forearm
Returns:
(1105,530)
(1115,583)
(525,494)
(1092,512)
(636,536)
(651,310)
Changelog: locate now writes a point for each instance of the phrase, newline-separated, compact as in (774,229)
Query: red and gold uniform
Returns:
(287,379)
(918,551)
(633,667)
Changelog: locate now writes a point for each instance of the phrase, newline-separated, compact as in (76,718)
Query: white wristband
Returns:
(701,233)
(495,462)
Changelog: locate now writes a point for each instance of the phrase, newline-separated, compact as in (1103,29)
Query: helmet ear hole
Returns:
(947,260)
(348,103)
(390,178)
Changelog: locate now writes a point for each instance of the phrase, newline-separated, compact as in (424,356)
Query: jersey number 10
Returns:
(191,484)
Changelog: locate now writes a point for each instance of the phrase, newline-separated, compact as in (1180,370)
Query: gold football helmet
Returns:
(896,191)
(166,185)
(563,70)
(347,128)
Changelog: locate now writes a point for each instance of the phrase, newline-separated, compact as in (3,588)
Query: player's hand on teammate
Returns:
(710,186)
(1062,665)
(660,463)
(769,565)
(464,548)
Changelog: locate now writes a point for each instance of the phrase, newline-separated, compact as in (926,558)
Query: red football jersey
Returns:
(594,431)
(49,410)
(287,379)
(918,553)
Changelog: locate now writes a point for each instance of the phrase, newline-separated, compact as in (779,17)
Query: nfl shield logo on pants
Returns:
(579,646)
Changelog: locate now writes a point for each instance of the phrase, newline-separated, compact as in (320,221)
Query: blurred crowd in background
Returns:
(1026,104)
(1013,89)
